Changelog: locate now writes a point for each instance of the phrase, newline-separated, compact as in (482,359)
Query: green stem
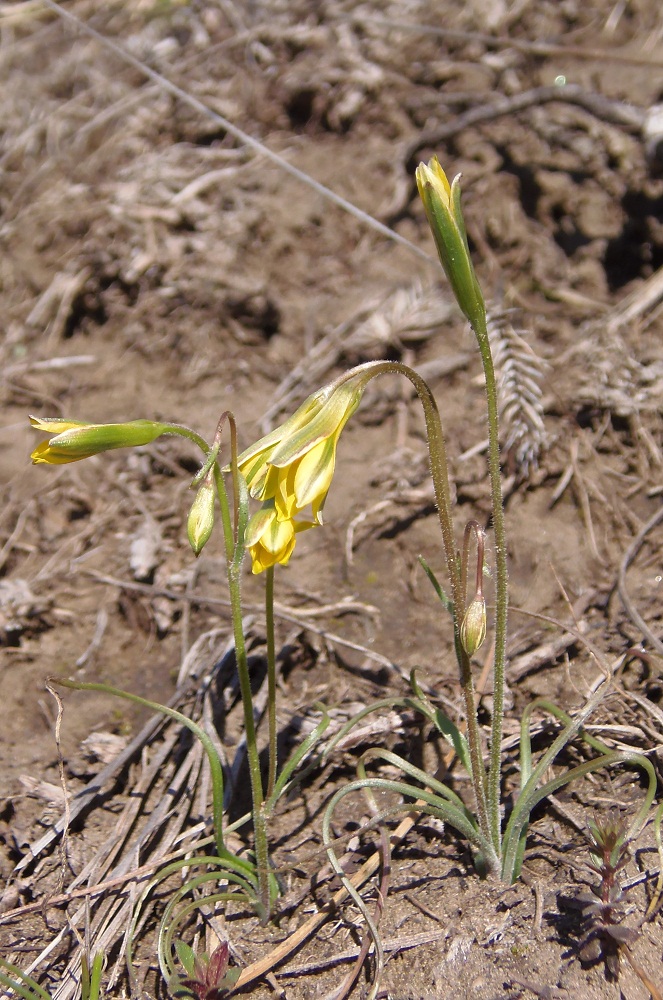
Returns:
(234,544)
(440,476)
(501,583)
(257,794)
(228,533)
(181,431)
(271,679)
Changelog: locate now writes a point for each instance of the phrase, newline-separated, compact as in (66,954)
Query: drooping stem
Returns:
(271,679)
(501,583)
(181,431)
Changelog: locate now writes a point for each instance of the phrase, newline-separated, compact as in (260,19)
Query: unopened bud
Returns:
(201,517)
(445,218)
(74,440)
(473,626)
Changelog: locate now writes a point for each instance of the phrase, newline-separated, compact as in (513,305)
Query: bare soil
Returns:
(153,265)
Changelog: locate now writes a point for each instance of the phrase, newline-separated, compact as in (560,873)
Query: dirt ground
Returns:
(154,265)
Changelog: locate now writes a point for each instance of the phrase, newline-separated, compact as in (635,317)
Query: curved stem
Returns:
(181,431)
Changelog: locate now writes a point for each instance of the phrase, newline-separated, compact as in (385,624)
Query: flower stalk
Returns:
(443,210)
(73,441)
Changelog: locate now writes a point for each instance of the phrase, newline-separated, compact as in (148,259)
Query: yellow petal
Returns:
(314,473)
(258,525)
(432,181)
(279,536)
(333,415)
(284,495)
(43,455)
(250,460)
(55,425)
(275,545)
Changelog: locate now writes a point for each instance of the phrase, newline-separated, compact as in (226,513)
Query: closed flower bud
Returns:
(473,626)
(445,218)
(74,440)
(201,517)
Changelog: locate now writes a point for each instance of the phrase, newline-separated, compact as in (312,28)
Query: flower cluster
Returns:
(291,469)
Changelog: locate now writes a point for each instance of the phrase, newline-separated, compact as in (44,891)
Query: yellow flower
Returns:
(294,464)
(271,540)
(445,218)
(74,440)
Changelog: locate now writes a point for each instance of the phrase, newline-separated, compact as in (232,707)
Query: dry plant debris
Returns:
(149,255)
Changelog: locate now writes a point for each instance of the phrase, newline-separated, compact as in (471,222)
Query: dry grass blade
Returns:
(161,804)
(629,556)
(519,373)
(612,378)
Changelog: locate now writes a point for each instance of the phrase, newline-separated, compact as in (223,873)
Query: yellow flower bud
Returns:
(473,626)
(201,517)
(445,218)
(74,440)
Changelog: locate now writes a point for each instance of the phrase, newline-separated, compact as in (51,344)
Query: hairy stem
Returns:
(501,584)
(440,475)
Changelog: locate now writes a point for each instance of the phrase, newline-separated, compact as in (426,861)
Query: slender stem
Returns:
(235,474)
(271,679)
(181,431)
(440,476)
(228,532)
(501,584)
(257,795)
(234,554)
(234,567)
